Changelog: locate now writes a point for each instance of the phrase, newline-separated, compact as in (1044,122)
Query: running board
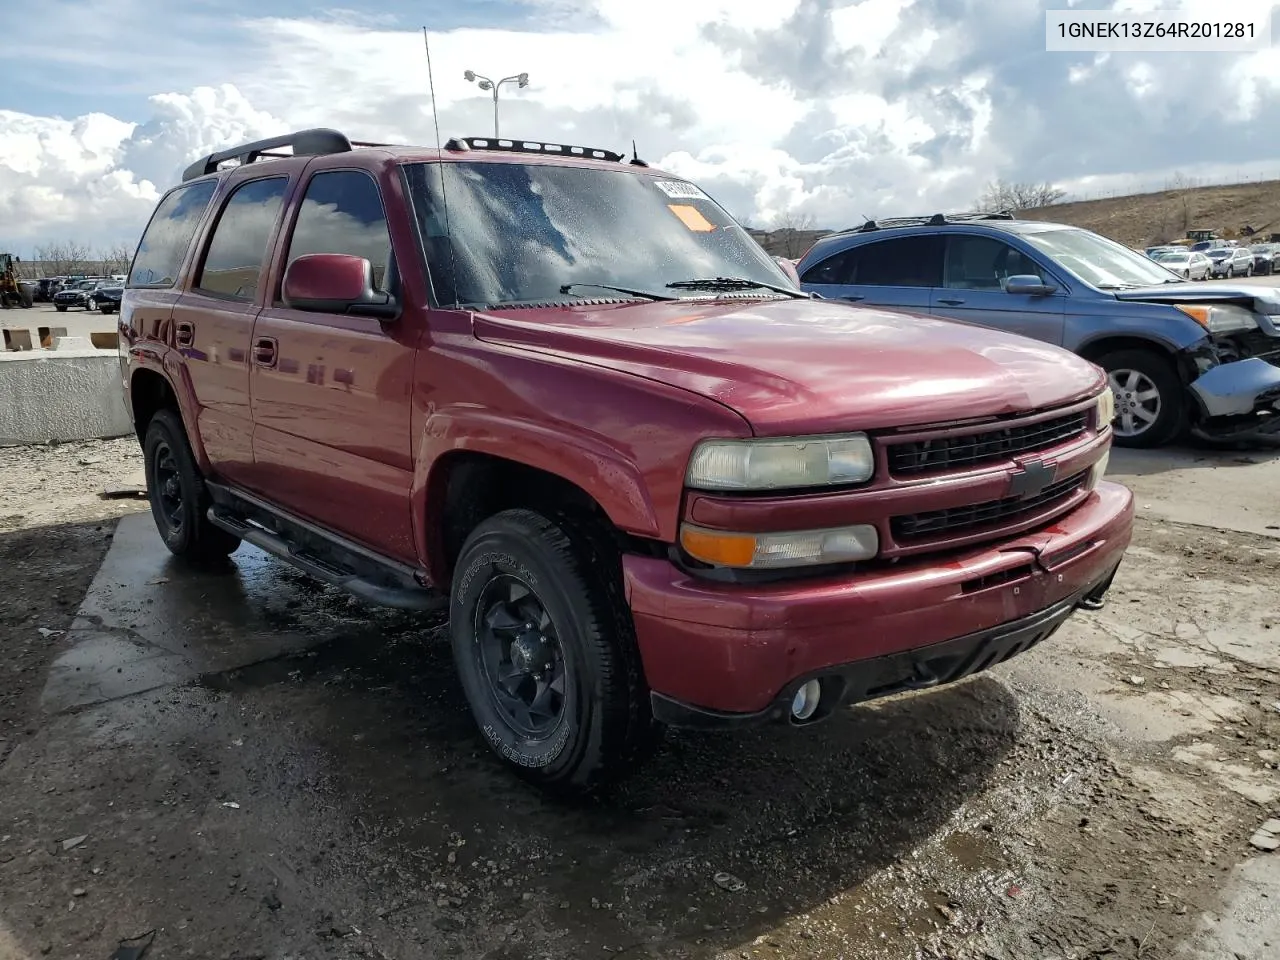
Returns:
(415,598)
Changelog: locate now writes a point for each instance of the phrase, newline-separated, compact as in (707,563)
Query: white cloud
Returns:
(837,108)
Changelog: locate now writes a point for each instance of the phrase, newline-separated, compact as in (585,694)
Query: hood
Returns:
(808,366)
(1260,299)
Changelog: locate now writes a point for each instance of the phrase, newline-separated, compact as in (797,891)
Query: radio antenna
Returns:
(444,196)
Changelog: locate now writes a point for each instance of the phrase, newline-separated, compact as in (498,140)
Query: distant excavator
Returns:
(12,293)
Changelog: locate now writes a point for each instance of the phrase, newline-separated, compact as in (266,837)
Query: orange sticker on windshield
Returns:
(691,217)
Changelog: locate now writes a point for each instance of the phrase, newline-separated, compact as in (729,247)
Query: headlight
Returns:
(780,464)
(1224,318)
(1106,408)
(773,551)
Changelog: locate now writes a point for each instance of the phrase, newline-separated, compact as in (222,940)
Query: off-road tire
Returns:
(1171,420)
(604,727)
(192,536)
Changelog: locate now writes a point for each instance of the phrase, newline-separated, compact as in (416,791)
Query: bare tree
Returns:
(115,258)
(790,234)
(1183,189)
(1000,195)
(65,258)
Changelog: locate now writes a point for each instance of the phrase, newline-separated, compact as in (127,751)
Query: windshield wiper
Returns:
(734,283)
(647,294)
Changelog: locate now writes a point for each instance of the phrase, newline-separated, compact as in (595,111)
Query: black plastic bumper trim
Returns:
(860,681)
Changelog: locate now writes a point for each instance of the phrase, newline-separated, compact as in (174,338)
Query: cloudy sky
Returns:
(834,108)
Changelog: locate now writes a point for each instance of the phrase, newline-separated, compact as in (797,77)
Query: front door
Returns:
(973,289)
(331,392)
(213,321)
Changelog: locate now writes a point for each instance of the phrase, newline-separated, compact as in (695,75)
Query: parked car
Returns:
(1230,262)
(1180,355)
(75,295)
(1165,248)
(46,287)
(1264,257)
(1188,265)
(650,479)
(1203,246)
(105,298)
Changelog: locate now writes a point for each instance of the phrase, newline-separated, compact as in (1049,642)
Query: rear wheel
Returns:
(546,652)
(1150,401)
(179,499)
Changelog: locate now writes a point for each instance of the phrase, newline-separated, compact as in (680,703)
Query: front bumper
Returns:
(715,653)
(1240,400)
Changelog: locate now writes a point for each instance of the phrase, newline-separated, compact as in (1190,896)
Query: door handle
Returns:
(185,333)
(264,351)
(951,301)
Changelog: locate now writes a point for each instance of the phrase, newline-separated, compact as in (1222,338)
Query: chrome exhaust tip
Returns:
(805,703)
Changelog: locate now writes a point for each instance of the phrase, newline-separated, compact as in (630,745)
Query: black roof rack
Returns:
(531,146)
(936,220)
(317,141)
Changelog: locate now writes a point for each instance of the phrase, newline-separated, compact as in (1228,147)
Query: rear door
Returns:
(331,392)
(213,321)
(972,289)
(898,272)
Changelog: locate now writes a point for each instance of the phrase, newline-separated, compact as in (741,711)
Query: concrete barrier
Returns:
(71,392)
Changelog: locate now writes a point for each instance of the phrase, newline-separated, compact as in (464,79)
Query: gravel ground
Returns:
(1091,799)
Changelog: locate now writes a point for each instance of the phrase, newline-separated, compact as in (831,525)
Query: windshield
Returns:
(1097,260)
(522,231)
(1219,252)
(1163,255)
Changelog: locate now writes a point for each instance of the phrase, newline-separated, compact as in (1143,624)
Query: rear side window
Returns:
(899,262)
(342,212)
(233,266)
(168,235)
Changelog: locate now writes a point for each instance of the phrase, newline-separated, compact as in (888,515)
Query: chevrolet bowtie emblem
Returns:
(1031,479)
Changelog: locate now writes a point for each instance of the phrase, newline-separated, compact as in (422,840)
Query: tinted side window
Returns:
(164,244)
(838,268)
(342,212)
(984,263)
(233,265)
(901,262)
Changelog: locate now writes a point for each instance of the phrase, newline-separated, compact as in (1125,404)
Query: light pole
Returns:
(520,79)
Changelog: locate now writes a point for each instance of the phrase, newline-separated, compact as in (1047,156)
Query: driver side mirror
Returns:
(336,283)
(1029,285)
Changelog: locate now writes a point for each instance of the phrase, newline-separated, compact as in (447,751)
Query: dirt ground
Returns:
(253,766)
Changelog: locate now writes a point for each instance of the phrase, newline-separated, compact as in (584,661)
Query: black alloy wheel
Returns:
(520,654)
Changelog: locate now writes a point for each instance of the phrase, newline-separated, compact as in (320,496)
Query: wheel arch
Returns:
(465,486)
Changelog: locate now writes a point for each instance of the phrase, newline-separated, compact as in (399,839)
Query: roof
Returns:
(905,226)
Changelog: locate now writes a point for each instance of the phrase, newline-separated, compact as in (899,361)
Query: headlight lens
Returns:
(780,464)
(773,551)
(1106,408)
(1223,318)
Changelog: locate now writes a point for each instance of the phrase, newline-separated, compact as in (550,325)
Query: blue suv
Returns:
(1181,356)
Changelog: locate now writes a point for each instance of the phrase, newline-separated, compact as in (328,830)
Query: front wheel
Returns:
(179,499)
(91,305)
(60,308)
(1248,271)
(546,652)
(1150,401)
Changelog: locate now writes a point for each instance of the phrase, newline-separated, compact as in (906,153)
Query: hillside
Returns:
(1147,218)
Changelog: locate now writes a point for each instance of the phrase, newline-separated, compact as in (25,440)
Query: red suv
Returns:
(567,397)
